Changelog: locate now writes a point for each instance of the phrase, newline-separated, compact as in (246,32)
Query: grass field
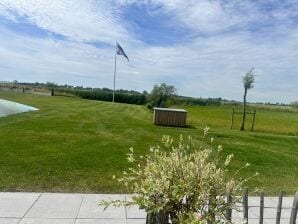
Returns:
(76,145)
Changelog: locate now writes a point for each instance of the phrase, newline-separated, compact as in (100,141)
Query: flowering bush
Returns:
(182,182)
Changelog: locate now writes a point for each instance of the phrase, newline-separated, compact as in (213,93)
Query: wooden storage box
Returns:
(169,117)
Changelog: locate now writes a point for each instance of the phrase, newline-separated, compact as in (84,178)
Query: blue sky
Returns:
(203,47)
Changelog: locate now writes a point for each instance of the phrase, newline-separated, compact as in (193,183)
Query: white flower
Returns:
(206,130)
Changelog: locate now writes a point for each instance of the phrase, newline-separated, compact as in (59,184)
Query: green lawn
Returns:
(76,145)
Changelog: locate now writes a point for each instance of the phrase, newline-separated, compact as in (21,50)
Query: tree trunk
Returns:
(244,110)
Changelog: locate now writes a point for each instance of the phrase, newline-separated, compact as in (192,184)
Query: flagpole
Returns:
(115,77)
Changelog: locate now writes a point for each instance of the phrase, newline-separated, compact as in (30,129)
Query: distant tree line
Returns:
(162,95)
(294,104)
(121,96)
(199,101)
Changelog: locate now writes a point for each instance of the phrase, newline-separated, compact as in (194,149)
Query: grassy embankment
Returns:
(75,145)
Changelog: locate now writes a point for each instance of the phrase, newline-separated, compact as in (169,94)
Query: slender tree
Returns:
(248,81)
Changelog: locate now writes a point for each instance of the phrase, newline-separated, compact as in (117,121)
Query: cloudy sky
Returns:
(203,47)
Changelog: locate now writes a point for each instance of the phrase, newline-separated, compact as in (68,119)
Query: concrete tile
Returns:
(285,213)
(63,209)
(268,221)
(287,202)
(251,221)
(136,221)
(287,221)
(254,221)
(270,207)
(237,220)
(46,221)
(253,201)
(128,197)
(237,214)
(241,220)
(51,205)
(9,221)
(15,205)
(253,213)
(271,202)
(133,212)
(282,221)
(269,213)
(100,221)
(91,209)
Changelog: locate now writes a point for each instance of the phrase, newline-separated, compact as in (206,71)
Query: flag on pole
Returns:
(120,51)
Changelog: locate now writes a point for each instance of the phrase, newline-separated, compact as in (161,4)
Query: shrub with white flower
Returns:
(182,182)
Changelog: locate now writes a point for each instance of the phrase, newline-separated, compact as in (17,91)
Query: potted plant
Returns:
(183,182)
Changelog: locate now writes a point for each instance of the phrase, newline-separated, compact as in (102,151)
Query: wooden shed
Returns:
(169,117)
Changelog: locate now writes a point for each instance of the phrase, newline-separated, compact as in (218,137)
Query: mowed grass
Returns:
(268,119)
(76,145)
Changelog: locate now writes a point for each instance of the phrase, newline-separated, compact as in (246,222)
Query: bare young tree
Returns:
(248,81)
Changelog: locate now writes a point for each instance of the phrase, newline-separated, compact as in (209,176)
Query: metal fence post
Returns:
(294,209)
(279,207)
(245,204)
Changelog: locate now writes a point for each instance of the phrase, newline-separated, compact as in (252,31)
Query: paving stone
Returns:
(253,201)
(270,209)
(272,221)
(270,213)
(237,214)
(46,221)
(91,209)
(286,213)
(237,220)
(56,206)
(9,221)
(134,212)
(268,221)
(271,202)
(252,221)
(100,221)
(285,221)
(52,208)
(136,221)
(15,205)
(286,202)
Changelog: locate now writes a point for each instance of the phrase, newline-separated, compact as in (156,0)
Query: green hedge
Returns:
(104,95)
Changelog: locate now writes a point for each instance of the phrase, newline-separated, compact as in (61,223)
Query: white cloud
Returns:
(199,15)
(88,20)
(212,17)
